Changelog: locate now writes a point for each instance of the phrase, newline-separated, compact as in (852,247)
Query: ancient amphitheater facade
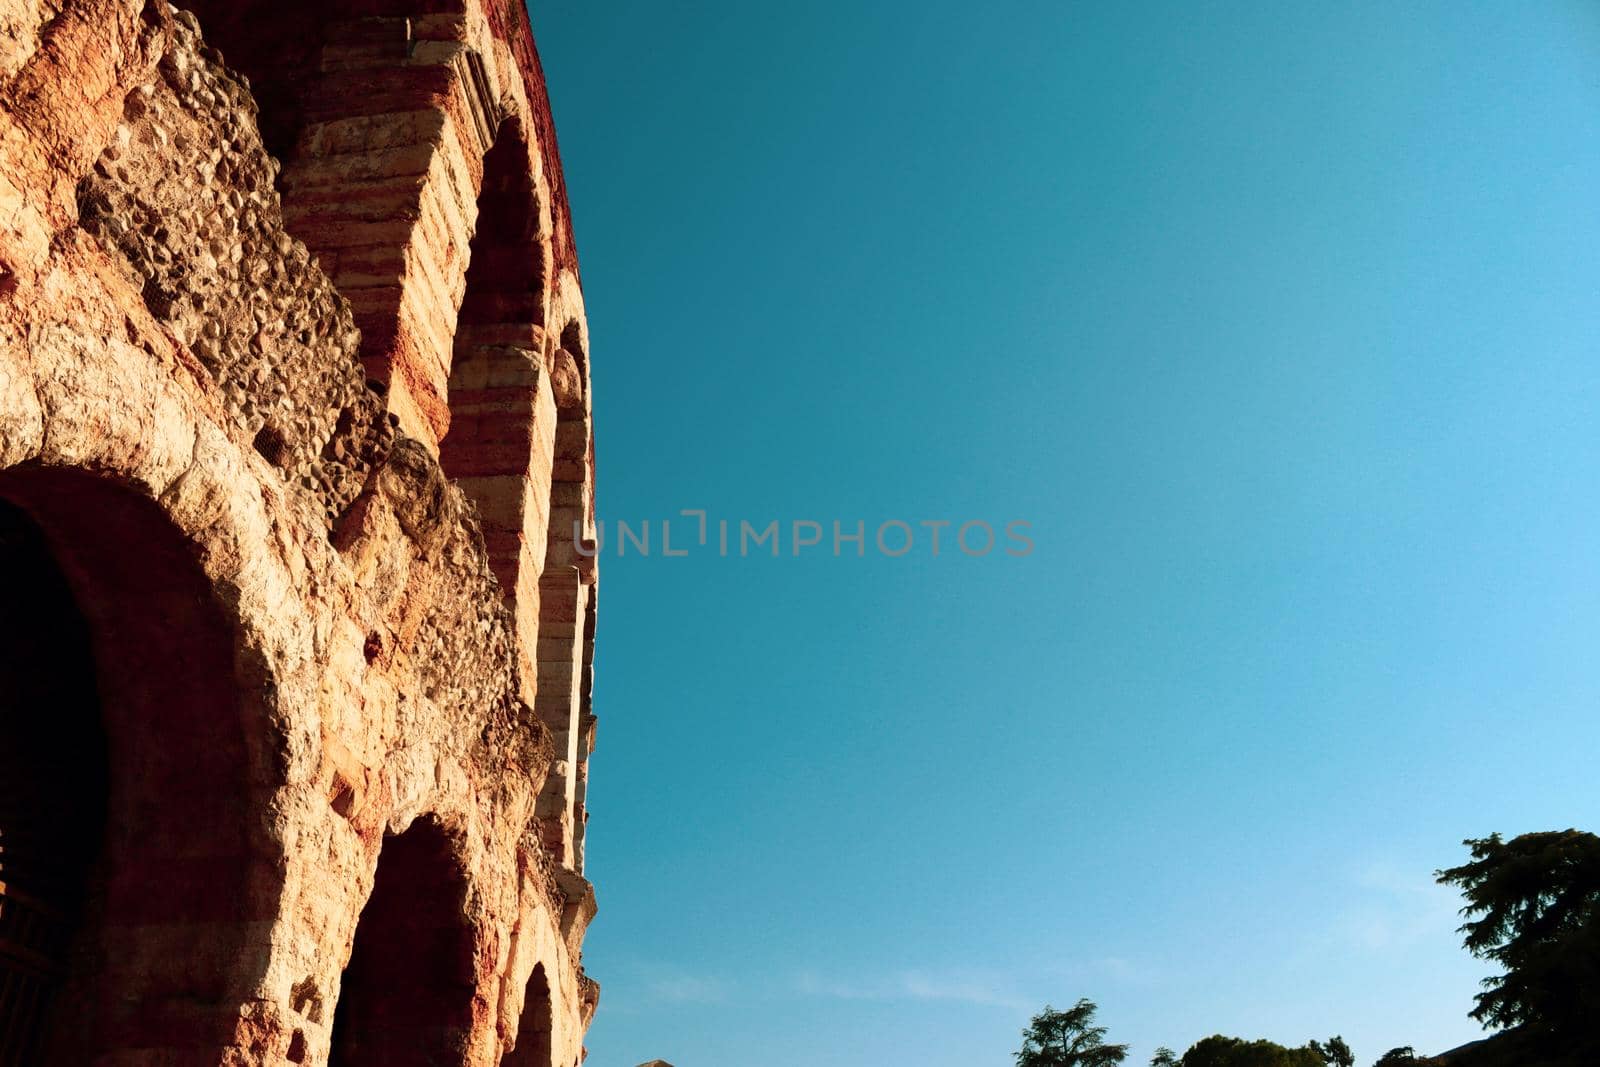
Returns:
(296,470)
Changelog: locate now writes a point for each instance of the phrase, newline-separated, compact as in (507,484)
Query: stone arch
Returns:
(380,114)
(502,413)
(407,996)
(280,48)
(566,594)
(133,906)
(509,264)
(571,496)
(587,727)
(535,1027)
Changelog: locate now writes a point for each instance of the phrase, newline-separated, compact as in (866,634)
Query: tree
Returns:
(1533,907)
(1068,1039)
(1335,1053)
(1164,1057)
(1404,1056)
(1219,1051)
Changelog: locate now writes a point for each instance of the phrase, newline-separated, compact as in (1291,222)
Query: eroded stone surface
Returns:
(185,192)
(171,347)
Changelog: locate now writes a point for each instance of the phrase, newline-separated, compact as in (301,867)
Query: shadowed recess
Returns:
(406,996)
(533,1032)
(125,920)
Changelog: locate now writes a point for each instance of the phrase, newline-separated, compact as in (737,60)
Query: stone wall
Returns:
(294,392)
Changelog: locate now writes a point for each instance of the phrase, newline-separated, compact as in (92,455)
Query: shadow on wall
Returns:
(406,996)
(124,921)
(533,1032)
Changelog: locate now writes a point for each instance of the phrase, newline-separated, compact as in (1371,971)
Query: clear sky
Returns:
(1279,324)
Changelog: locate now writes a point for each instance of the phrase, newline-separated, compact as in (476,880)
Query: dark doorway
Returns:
(134,876)
(53,781)
(406,997)
(533,1032)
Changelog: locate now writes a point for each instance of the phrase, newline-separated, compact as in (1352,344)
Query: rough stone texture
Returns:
(308,447)
(185,193)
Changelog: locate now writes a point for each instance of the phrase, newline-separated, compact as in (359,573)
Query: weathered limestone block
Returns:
(322,654)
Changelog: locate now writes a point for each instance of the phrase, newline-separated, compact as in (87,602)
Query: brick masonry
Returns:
(295,439)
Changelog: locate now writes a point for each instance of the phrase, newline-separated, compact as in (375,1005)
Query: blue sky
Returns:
(1278,323)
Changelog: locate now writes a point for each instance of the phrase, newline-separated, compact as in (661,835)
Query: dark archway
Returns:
(506,271)
(564,600)
(533,1047)
(279,47)
(495,439)
(360,100)
(134,872)
(53,781)
(406,999)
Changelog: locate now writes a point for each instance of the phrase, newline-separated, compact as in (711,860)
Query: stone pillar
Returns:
(382,187)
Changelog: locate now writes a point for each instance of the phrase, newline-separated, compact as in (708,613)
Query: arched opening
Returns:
(132,876)
(533,1047)
(380,114)
(406,999)
(565,600)
(587,725)
(53,780)
(506,270)
(280,48)
(569,473)
(501,427)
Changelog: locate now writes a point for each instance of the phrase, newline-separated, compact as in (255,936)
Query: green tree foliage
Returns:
(1334,1053)
(1533,907)
(1219,1051)
(1164,1057)
(1068,1039)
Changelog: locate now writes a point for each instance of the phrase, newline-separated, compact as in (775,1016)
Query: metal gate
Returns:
(33,939)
